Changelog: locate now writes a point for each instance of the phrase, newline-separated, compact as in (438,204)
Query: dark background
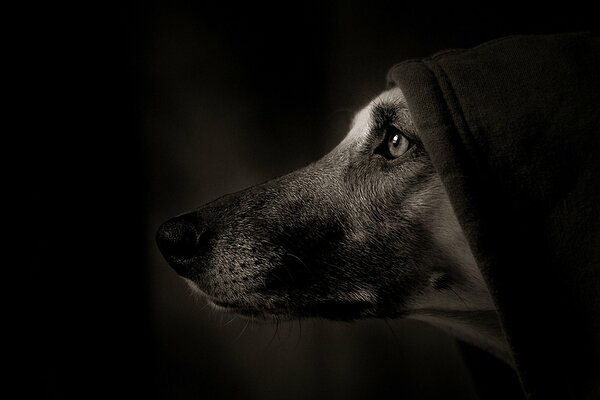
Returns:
(134,112)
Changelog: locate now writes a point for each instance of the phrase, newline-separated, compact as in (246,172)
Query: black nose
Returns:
(178,238)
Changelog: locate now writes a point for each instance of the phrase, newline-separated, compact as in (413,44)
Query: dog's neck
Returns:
(458,300)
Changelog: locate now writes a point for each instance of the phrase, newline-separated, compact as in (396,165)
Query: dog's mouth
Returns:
(327,309)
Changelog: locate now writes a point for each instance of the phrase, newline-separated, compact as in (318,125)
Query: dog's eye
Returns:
(395,143)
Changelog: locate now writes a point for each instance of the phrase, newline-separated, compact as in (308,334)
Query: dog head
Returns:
(367,231)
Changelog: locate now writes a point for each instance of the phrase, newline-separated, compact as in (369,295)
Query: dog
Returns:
(368,231)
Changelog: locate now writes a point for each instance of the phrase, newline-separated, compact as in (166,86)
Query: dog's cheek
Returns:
(389,233)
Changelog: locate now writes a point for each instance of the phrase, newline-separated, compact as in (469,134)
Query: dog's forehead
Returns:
(362,119)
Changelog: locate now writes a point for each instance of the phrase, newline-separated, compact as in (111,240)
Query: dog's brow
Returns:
(359,125)
(383,113)
(396,112)
(389,102)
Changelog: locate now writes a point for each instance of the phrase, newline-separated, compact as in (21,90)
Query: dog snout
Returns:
(179,240)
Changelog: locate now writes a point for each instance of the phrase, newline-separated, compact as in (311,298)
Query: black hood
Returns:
(513,128)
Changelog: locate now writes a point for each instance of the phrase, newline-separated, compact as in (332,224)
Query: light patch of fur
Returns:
(362,119)
(473,293)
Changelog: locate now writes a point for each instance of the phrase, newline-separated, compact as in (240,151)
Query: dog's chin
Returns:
(286,308)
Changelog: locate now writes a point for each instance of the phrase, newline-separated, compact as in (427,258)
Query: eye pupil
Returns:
(395,140)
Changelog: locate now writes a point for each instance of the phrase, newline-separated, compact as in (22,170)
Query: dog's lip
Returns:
(232,306)
(242,310)
(336,310)
(224,304)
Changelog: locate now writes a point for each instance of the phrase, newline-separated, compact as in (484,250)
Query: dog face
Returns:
(367,231)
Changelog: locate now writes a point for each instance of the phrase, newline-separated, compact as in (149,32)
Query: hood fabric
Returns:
(513,129)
